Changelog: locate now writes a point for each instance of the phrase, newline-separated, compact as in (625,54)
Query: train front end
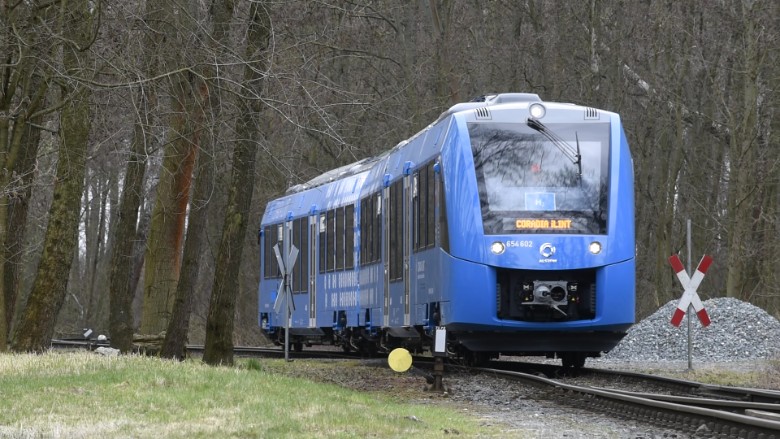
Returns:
(540,208)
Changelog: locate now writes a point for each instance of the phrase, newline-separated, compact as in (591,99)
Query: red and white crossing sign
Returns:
(690,284)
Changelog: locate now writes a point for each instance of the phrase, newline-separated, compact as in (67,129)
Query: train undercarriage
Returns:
(468,347)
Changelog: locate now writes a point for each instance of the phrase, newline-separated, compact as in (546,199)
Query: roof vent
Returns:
(591,114)
(482,113)
(506,98)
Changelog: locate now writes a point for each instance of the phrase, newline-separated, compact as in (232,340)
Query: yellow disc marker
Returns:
(400,360)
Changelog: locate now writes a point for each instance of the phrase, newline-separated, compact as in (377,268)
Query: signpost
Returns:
(284,297)
(439,354)
(690,297)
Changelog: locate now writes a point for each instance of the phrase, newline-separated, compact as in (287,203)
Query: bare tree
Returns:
(23,92)
(207,108)
(219,326)
(166,237)
(37,324)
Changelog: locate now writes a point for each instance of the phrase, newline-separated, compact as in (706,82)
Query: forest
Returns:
(141,139)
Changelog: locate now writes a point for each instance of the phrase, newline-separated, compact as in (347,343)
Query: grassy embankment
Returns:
(766,377)
(87,395)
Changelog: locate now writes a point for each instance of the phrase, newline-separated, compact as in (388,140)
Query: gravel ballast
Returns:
(739,331)
(742,338)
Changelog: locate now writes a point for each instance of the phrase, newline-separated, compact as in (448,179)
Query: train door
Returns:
(386,256)
(396,253)
(312,272)
(284,235)
(407,247)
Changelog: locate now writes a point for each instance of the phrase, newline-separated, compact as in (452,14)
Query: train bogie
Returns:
(509,222)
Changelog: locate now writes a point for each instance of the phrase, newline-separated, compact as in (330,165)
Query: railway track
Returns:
(240,351)
(701,410)
(686,388)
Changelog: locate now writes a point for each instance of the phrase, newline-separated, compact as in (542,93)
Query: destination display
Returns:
(551,224)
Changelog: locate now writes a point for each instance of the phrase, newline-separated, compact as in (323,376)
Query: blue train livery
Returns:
(509,222)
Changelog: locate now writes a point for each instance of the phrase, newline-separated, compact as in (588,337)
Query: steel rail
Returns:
(726,392)
(726,419)
(741,406)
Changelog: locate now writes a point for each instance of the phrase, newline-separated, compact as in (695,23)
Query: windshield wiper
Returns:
(566,149)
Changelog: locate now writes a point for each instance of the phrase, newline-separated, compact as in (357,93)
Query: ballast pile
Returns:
(739,331)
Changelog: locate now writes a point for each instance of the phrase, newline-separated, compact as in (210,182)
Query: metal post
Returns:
(286,327)
(438,373)
(285,280)
(439,353)
(690,307)
(286,258)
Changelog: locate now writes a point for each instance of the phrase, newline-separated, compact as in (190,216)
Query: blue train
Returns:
(509,221)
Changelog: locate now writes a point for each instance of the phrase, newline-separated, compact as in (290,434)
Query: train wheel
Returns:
(573,360)
(297,346)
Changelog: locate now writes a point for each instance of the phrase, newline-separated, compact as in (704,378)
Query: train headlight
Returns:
(497,247)
(594,247)
(537,111)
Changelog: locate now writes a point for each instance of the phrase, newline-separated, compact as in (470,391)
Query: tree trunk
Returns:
(37,324)
(120,321)
(176,335)
(178,325)
(742,185)
(22,92)
(163,254)
(166,237)
(219,324)
(17,222)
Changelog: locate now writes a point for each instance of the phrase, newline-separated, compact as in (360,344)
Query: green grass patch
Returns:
(87,395)
(763,375)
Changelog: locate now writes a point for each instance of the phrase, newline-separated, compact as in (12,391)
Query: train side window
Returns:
(399,229)
(323,242)
(303,251)
(349,241)
(422,221)
(391,222)
(396,230)
(444,234)
(331,246)
(266,252)
(430,206)
(300,240)
(339,235)
(365,229)
(296,241)
(270,264)
(370,229)
(376,237)
(424,205)
(415,211)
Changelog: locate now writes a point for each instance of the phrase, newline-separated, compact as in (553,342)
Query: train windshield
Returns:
(548,178)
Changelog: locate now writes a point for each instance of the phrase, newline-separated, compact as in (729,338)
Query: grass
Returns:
(84,395)
(87,395)
(765,374)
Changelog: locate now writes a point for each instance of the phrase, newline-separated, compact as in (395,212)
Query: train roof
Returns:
(366,163)
(344,184)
